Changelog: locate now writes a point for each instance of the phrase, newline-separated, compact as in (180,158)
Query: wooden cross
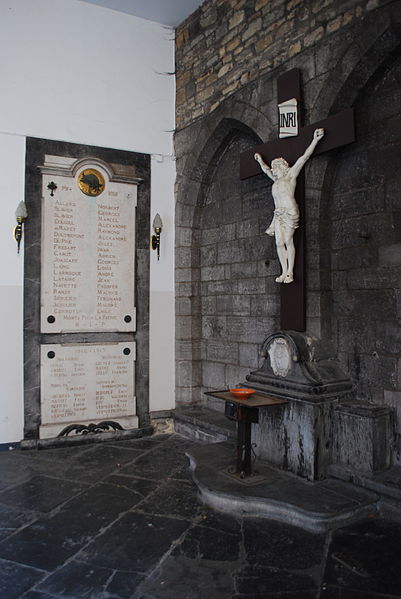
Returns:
(339,130)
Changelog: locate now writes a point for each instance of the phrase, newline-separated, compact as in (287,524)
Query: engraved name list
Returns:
(88,257)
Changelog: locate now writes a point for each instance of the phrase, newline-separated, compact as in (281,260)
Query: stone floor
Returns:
(122,521)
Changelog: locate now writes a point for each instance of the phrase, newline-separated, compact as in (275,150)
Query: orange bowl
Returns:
(242,393)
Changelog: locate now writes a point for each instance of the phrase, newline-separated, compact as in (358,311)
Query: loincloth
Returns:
(286,218)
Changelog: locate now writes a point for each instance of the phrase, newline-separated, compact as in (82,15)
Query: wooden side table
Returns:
(244,411)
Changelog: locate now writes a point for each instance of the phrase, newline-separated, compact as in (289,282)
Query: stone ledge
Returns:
(87,439)
(202,424)
(387,483)
(316,507)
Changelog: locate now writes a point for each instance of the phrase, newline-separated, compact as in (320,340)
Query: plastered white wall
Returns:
(76,72)
(162,298)
(12,173)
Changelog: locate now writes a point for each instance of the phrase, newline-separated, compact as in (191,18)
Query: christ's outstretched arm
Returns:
(297,167)
(265,167)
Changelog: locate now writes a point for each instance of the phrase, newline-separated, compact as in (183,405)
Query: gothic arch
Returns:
(201,166)
(356,198)
(380,56)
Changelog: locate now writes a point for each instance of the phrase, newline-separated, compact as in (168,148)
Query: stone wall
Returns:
(226,44)
(229,56)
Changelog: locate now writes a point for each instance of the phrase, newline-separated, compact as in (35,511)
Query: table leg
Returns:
(244,449)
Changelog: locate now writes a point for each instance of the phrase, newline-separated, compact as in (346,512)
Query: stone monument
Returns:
(298,436)
(81,337)
(88,269)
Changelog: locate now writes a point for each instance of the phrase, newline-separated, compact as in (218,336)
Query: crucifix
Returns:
(294,147)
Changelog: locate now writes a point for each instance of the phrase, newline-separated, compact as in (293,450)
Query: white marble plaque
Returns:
(82,383)
(88,249)
(280,357)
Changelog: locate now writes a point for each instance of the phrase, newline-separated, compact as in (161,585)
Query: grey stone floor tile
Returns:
(144,443)
(36,595)
(289,595)
(175,498)
(56,454)
(184,578)
(79,581)
(12,518)
(15,579)
(20,467)
(366,557)
(160,463)
(208,544)
(281,545)
(263,580)
(41,493)
(135,543)
(182,472)
(137,531)
(48,542)
(6,533)
(86,465)
(347,593)
(99,462)
(124,584)
(39,546)
(140,486)
(15,469)
(218,521)
(3,485)
(330,592)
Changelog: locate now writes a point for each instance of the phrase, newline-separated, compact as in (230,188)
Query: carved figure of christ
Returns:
(338,131)
(286,213)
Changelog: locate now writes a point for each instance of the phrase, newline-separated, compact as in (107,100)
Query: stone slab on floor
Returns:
(386,483)
(317,507)
(125,522)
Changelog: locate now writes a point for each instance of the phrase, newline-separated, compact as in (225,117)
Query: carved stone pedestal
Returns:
(298,437)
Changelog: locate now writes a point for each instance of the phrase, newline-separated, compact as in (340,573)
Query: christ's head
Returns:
(279,167)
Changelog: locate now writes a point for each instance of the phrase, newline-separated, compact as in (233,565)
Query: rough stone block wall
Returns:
(239,298)
(364,209)
(229,56)
(226,44)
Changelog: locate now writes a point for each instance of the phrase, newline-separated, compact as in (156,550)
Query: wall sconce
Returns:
(157,227)
(20,214)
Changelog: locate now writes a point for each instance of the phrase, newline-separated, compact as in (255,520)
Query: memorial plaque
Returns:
(88,247)
(82,384)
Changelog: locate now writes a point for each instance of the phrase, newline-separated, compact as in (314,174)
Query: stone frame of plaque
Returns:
(98,170)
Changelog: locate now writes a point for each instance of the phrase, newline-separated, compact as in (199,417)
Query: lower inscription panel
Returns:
(85,384)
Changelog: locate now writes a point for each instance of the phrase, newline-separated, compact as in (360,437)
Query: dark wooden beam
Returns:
(339,131)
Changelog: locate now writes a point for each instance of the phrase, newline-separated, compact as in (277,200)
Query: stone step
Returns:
(277,495)
(387,483)
(203,424)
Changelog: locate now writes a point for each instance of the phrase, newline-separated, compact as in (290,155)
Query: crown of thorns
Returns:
(280,161)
